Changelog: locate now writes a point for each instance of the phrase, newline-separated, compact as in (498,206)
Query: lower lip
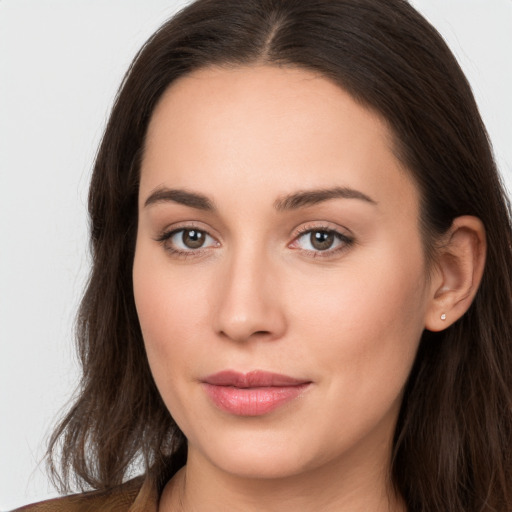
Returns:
(252,401)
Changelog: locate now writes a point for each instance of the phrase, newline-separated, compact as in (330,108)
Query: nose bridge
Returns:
(248,299)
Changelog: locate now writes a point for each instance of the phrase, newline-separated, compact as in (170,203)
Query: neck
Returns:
(201,487)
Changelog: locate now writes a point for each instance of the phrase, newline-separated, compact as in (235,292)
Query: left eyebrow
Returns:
(306,198)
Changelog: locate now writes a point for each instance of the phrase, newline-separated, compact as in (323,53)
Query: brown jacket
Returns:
(137,495)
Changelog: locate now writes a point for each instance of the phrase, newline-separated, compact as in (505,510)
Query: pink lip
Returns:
(254,393)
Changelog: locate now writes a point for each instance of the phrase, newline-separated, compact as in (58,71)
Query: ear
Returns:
(459,268)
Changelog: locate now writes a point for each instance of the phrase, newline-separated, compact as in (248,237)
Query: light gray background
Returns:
(61,62)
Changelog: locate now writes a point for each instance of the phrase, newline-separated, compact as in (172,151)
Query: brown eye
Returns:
(186,242)
(321,240)
(192,238)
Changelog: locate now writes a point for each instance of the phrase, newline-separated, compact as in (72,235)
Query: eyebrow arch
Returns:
(294,201)
(305,198)
(180,196)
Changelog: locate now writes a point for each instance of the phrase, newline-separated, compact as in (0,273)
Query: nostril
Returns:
(244,311)
(245,335)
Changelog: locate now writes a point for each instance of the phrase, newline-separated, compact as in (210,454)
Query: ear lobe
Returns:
(460,265)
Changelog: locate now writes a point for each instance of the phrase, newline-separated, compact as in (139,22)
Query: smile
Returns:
(254,393)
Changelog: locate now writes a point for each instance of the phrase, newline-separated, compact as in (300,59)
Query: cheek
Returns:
(367,323)
(169,315)
(168,307)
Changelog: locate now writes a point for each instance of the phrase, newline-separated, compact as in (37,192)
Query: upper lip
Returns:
(252,379)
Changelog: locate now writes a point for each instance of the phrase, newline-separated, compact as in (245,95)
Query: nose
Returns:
(248,304)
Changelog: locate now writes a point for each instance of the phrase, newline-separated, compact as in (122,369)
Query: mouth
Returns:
(254,393)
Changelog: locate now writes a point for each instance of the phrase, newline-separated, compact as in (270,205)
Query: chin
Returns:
(266,454)
(261,464)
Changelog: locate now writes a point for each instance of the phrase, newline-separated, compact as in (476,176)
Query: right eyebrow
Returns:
(192,199)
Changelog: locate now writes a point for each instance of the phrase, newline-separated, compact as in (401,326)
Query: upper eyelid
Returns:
(184,226)
(345,238)
(168,233)
(326,226)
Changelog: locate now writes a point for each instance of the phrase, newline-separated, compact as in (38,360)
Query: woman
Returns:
(301,291)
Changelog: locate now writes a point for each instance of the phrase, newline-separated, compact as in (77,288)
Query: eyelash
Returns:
(167,235)
(346,241)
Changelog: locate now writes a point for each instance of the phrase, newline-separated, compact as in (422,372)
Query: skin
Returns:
(259,295)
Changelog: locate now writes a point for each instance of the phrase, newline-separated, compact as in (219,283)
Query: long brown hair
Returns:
(452,449)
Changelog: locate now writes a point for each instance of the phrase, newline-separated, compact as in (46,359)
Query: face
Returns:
(279,272)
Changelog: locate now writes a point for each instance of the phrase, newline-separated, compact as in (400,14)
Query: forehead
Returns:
(266,125)
(261,94)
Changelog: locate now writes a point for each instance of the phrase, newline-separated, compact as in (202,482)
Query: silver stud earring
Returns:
(443,316)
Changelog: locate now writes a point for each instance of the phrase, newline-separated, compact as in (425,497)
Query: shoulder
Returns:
(117,499)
